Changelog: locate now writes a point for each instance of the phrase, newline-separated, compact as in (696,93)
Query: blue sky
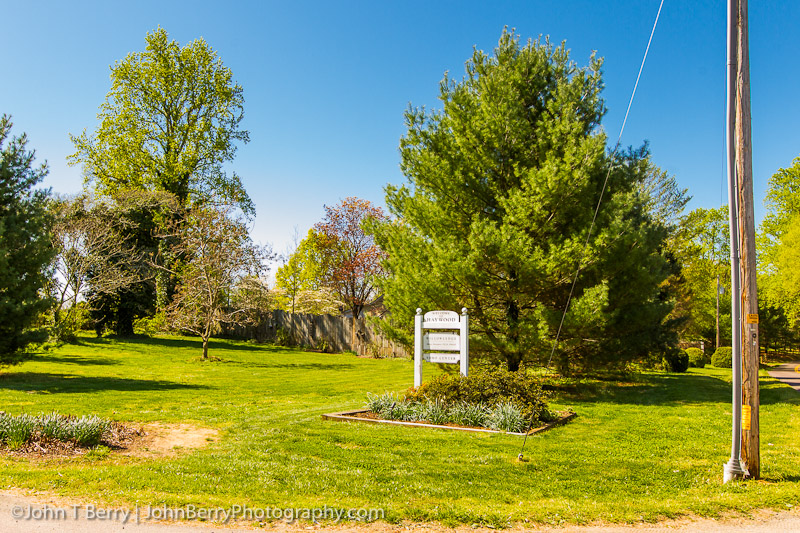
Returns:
(326,83)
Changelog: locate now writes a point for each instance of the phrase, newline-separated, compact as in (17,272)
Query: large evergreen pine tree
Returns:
(502,188)
(25,248)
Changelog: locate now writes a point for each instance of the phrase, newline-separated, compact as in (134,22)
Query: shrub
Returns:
(282,337)
(152,325)
(723,357)
(697,359)
(490,385)
(675,360)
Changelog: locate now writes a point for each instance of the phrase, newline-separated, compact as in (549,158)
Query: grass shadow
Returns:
(73,359)
(672,389)
(65,383)
(653,389)
(192,344)
(293,366)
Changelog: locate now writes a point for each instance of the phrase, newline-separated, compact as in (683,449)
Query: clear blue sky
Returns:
(326,83)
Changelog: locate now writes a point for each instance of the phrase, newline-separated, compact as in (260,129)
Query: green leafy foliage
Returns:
(676,360)
(697,359)
(701,248)
(503,416)
(502,188)
(490,385)
(169,123)
(722,358)
(507,417)
(25,249)
(85,431)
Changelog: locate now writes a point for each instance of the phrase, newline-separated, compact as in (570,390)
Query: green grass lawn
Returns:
(650,447)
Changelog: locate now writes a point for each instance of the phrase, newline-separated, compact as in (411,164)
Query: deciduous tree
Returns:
(94,258)
(170,122)
(349,259)
(215,283)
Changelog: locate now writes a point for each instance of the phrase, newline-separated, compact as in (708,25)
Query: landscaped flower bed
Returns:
(61,434)
(504,416)
(490,397)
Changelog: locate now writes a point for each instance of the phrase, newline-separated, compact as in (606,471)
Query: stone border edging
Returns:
(348,416)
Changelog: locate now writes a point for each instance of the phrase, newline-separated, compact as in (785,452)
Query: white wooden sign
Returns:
(456,342)
(441,320)
(441,341)
(441,357)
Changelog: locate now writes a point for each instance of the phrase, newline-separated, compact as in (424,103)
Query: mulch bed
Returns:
(369,416)
(118,437)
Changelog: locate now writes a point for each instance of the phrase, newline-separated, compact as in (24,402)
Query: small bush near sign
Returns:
(489,385)
(723,357)
(697,359)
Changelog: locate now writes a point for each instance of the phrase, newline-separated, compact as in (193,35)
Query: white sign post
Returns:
(456,341)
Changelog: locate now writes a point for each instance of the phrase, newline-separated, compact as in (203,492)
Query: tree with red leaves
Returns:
(351,261)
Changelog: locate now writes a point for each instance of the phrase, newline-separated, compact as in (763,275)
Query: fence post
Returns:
(418,348)
(464,342)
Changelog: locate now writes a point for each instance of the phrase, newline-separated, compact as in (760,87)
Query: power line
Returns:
(605,183)
(599,201)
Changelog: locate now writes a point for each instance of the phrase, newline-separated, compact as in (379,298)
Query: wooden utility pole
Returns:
(749,296)
(717,344)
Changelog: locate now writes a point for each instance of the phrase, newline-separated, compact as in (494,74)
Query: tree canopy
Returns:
(169,123)
(779,260)
(349,259)
(25,251)
(502,188)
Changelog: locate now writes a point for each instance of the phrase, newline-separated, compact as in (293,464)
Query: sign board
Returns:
(455,343)
(441,320)
(441,341)
(752,318)
(449,358)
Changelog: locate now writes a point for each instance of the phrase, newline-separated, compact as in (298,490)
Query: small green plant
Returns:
(375,351)
(470,414)
(697,359)
(88,430)
(507,417)
(54,426)
(723,357)
(434,411)
(15,431)
(98,452)
(324,347)
(282,337)
(380,403)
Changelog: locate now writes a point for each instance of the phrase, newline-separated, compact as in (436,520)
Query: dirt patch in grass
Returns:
(142,440)
(160,440)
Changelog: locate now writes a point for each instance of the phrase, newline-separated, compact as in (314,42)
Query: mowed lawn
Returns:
(647,447)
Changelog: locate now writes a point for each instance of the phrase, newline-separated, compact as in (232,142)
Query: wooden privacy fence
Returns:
(334,333)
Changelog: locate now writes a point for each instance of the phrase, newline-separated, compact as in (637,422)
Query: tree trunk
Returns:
(205,348)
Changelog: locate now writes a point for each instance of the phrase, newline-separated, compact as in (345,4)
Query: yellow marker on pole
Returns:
(746,417)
